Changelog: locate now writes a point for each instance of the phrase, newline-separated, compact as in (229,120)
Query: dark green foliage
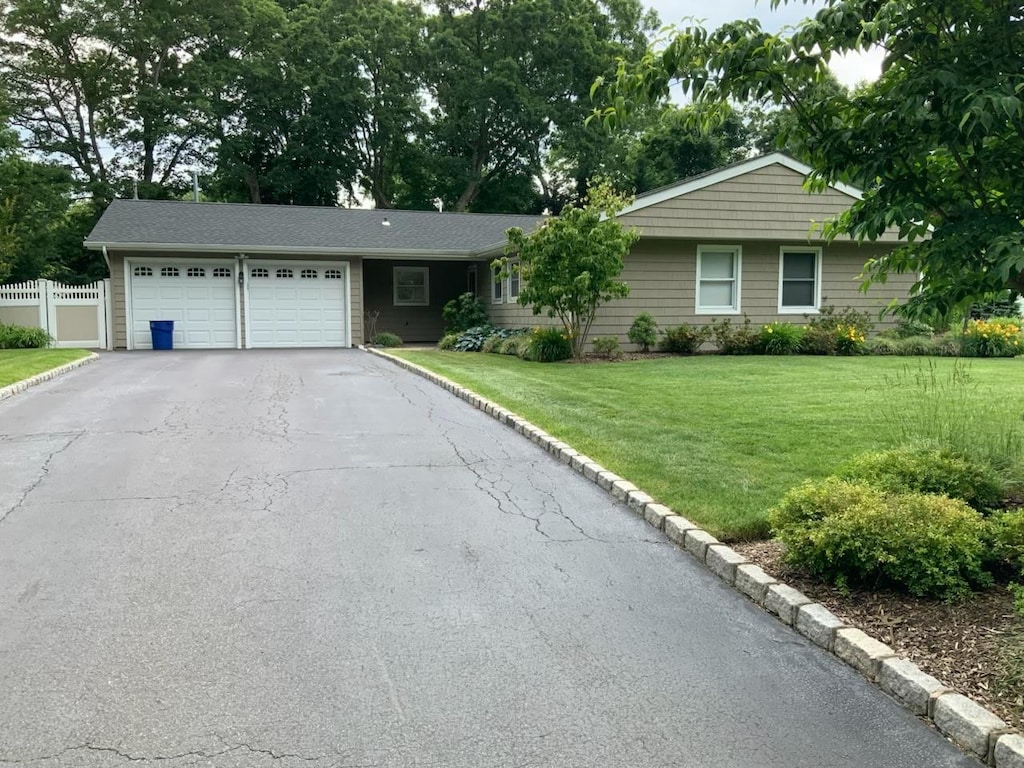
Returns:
(730,339)
(20,337)
(781,339)
(926,471)
(387,339)
(853,534)
(643,331)
(549,345)
(1006,539)
(447,341)
(607,346)
(834,331)
(472,339)
(465,311)
(683,339)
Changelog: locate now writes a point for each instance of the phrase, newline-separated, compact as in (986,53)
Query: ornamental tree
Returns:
(937,143)
(570,265)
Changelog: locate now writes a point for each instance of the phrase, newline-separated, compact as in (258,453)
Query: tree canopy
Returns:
(937,143)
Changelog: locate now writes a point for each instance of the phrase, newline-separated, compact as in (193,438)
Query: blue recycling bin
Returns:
(162,332)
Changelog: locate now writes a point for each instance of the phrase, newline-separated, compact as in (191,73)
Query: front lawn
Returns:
(18,364)
(720,439)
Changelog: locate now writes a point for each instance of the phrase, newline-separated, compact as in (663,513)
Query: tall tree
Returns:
(938,139)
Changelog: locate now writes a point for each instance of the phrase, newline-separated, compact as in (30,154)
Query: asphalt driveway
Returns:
(246,559)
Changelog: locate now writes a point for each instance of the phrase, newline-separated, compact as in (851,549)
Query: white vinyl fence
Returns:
(74,315)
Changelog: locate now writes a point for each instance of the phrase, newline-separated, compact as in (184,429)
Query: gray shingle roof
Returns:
(141,224)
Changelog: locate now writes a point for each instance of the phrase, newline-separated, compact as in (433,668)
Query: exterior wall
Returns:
(117,283)
(662,276)
(446,281)
(769,203)
(26,316)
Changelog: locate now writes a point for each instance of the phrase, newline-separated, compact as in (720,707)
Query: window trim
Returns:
(513,267)
(425,271)
(497,286)
(816,250)
(737,252)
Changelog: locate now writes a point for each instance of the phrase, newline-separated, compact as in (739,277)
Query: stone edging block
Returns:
(20,386)
(970,725)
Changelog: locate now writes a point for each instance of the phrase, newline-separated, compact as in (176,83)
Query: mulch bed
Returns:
(967,646)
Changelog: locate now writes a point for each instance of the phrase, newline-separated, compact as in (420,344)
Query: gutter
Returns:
(397,253)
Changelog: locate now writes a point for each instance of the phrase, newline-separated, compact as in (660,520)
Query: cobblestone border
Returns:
(969,725)
(20,386)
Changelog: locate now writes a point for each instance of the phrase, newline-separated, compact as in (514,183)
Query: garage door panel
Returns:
(201,305)
(293,305)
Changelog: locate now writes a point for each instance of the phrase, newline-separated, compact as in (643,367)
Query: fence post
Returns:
(108,316)
(43,312)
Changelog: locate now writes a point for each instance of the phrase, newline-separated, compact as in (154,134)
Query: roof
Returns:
(250,228)
(703,180)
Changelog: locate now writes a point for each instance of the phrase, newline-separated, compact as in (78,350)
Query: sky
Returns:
(850,70)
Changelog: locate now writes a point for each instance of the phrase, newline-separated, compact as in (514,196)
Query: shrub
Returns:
(464,312)
(386,339)
(946,345)
(916,346)
(20,337)
(883,345)
(683,339)
(448,341)
(548,345)
(907,327)
(998,337)
(735,340)
(852,534)
(607,346)
(515,345)
(849,340)
(492,344)
(472,339)
(926,470)
(825,331)
(643,332)
(781,339)
(1006,538)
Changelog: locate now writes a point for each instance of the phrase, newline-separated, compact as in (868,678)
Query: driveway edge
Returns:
(970,726)
(20,386)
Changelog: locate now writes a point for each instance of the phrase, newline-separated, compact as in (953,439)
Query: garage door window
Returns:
(169,272)
(143,271)
(412,288)
(196,272)
(285,274)
(308,274)
(221,272)
(261,272)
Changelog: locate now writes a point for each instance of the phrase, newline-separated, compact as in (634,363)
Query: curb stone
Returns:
(20,386)
(968,724)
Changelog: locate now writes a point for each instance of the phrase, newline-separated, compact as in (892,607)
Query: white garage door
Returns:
(297,305)
(199,298)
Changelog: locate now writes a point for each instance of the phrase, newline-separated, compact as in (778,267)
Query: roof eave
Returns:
(280,250)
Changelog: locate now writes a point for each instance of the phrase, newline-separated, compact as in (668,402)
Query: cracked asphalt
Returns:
(313,558)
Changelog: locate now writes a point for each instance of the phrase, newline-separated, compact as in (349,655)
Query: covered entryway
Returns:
(199,297)
(293,304)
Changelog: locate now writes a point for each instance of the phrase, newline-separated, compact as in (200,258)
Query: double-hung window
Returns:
(497,286)
(412,286)
(799,280)
(513,281)
(718,279)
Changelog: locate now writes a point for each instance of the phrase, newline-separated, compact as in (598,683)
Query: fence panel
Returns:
(74,315)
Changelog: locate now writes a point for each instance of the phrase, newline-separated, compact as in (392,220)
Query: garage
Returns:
(297,304)
(199,297)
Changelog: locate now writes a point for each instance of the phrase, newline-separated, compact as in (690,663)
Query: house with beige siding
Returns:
(738,241)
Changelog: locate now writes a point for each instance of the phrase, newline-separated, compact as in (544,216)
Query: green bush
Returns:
(907,328)
(643,332)
(515,345)
(946,345)
(883,345)
(926,470)
(492,344)
(852,534)
(20,337)
(916,346)
(735,340)
(466,311)
(548,345)
(472,339)
(448,341)
(997,337)
(781,339)
(607,346)
(825,332)
(386,339)
(1006,538)
(683,339)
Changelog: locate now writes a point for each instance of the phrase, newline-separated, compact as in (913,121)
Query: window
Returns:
(196,272)
(412,288)
(332,274)
(799,279)
(513,281)
(497,285)
(260,272)
(143,272)
(285,274)
(221,272)
(471,279)
(308,274)
(169,272)
(718,279)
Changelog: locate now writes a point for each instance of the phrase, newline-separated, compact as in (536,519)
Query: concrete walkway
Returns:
(246,559)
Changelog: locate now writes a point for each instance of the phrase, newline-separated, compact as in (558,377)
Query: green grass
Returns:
(18,364)
(721,439)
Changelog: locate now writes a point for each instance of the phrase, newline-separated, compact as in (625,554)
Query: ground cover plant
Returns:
(18,364)
(723,438)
